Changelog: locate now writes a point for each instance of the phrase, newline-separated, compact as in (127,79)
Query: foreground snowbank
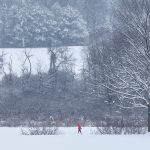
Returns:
(11,139)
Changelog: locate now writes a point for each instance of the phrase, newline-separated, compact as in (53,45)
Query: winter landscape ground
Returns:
(11,138)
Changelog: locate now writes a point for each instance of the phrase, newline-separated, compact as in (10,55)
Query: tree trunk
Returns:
(148,118)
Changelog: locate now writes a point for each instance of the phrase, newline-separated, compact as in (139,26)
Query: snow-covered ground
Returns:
(11,139)
(40,57)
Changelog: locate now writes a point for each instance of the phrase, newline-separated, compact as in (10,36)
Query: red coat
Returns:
(79,126)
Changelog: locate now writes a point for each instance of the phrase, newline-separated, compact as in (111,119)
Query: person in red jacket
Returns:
(79,128)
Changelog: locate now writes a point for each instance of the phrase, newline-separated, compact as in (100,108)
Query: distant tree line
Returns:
(41,95)
(35,23)
(27,24)
(114,80)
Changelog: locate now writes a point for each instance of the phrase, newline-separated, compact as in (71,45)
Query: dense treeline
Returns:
(39,23)
(28,24)
(35,23)
(114,80)
(57,92)
(116,64)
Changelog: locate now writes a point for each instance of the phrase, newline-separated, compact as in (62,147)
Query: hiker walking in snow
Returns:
(79,128)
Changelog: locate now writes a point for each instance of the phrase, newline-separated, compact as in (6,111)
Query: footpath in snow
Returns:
(11,139)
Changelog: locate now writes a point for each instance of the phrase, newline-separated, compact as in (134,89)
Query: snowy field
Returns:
(40,58)
(11,139)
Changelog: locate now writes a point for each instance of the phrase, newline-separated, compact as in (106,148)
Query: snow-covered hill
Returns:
(40,57)
(11,139)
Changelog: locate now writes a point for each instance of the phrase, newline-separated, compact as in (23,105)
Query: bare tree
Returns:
(40,75)
(2,63)
(134,20)
(128,75)
(52,54)
(25,70)
(58,57)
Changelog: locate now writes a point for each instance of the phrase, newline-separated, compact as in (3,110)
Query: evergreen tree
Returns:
(33,25)
(71,25)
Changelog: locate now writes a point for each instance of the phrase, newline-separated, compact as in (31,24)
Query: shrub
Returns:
(40,131)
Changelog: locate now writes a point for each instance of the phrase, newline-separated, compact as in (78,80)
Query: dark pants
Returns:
(79,130)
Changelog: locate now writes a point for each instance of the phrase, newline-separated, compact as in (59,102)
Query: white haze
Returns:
(39,58)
